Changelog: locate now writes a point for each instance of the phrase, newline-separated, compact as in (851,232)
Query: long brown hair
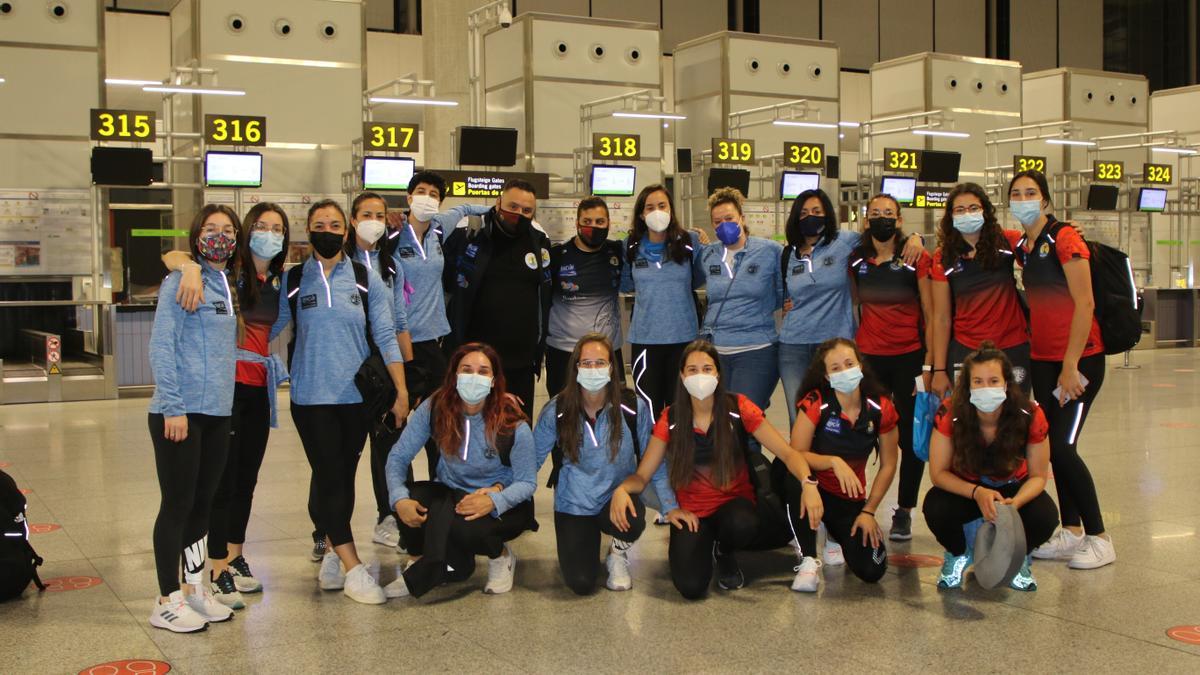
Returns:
(1012,429)
(500,414)
(677,238)
(991,237)
(681,449)
(569,402)
(249,271)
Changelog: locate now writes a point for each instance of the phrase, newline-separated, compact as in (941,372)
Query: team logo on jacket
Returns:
(870,426)
(354,299)
(834,425)
(752,269)
(275,283)
(614,262)
(308,301)
(530,261)
(641,264)
(220,307)
(1044,250)
(545,256)
(714,269)
(472,250)
(896,265)
(407,252)
(828,262)
(1019,374)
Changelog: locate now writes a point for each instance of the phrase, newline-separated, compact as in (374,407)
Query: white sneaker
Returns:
(500,573)
(387,532)
(397,589)
(362,587)
(202,602)
(176,615)
(1062,546)
(243,578)
(617,563)
(1094,552)
(226,593)
(808,575)
(833,550)
(331,576)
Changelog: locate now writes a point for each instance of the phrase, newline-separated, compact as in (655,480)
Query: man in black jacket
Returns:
(497,275)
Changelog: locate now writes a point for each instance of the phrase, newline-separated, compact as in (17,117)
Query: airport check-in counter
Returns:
(1170,318)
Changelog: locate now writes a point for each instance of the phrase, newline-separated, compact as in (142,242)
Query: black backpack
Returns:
(18,560)
(629,407)
(1118,308)
(373,381)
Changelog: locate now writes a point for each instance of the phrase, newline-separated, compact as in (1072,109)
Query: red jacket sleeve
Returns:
(752,415)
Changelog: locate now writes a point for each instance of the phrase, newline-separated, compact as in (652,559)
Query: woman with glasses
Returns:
(974,291)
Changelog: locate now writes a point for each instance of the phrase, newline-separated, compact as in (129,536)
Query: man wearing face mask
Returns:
(587,275)
(499,285)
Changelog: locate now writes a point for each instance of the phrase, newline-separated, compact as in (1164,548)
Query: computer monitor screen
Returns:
(793,183)
(233,169)
(903,188)
(613,181)
(1152,199)
(387,173)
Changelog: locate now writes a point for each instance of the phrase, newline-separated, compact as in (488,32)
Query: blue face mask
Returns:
(988,399)
(846,381)
(1026,212)
(593,379)
(473,388)
(968,223)
(266,245)
(729,232)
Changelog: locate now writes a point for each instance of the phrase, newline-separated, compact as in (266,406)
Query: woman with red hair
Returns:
(486,477)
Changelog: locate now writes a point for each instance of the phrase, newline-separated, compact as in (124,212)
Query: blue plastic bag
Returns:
(924,408)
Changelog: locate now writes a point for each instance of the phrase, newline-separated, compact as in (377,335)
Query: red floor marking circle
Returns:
(1179,425)
(25,491)
(1188,634)
(5,465)
(128,667)
(43,528)
(914,560)
(1162,385)
(71,583)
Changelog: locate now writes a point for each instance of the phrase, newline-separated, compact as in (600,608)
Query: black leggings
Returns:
(738,525)
(448,542)
(1018,355)
(188,473)
(249,427)
(1077,499)
(656,373)
(868,564)
(332,436)
(898,375)
(946,513)
(519,382)
(579,543)
(556,369)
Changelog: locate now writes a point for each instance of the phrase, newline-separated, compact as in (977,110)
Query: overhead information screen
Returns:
(487,146)
(734,178)
(794,183)
(387,173)
(1102,197)
(613,181)
(1152,199)
(939,166)
(233,169)
(122,166)
(902,188)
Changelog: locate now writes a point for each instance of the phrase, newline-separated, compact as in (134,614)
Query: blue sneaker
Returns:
(1024,580)
(954,569)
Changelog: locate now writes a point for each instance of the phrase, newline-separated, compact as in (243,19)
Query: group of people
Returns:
(465,307)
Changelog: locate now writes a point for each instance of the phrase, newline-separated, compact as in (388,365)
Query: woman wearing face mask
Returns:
(895,303)
(331,343)
(595,429)
(744,291)
(587,276)
(191,356)
(816,286)
(974,291)
(720,509)
(843,418)
(989,446)
(483,495)
(262,251)
(659,270)
(1068,363)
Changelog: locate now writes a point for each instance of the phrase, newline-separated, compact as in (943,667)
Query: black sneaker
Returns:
(226,593)
(729,575)
(318,550)
(243,577)
(901,525)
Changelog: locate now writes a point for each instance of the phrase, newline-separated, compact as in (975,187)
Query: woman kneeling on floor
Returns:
(595,430)
(721,508)
(842,419)
(486,477)
(989,446)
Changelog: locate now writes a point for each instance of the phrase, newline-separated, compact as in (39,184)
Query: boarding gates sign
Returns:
(488,183)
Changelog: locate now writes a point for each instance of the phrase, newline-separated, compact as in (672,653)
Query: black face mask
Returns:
(808,226)
(593,237)
(882,229)
(512,223)
(326,244)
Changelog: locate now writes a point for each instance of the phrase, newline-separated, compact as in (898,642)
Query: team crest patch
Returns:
(827,262)
(752,269)
(545,256)
(896,265)
(834,425)
(714,269)
(472,250)
(308,301)
(1019,374)
(614,262)
(220,307)
(354,299)
(1044,250)
(641,264)
(275,283)
(530,261)
(407,252)
(870,426)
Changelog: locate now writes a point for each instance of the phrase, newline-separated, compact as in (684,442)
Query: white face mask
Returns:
(658,221)
(423,207)
(701,385)
(369,230)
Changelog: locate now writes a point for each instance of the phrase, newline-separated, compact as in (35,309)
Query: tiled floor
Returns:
(89,467)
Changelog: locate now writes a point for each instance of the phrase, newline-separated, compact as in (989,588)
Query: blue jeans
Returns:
(752,374)
(793,365)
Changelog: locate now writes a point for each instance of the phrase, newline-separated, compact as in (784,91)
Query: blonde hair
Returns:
(726,195)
